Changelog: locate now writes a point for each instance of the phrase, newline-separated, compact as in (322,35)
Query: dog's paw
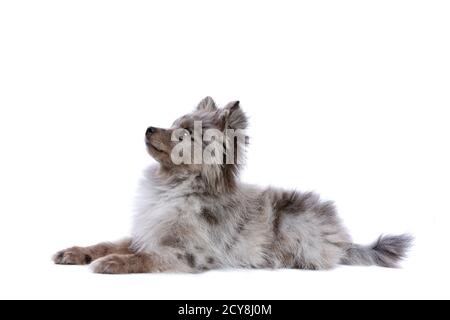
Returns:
(112,264)
(72,256)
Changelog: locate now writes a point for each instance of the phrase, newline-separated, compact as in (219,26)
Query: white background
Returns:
(348,98)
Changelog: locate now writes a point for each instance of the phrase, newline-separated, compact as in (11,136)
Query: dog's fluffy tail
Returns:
(387,251)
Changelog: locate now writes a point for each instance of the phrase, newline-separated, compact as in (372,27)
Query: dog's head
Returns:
(209,142)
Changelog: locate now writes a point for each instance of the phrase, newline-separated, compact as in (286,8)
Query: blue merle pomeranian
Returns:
(198,216)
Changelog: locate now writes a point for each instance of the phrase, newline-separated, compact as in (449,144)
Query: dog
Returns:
(195,216)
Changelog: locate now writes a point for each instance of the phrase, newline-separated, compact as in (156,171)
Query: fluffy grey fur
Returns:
(193,218)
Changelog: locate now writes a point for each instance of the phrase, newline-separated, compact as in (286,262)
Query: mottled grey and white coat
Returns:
(198,217)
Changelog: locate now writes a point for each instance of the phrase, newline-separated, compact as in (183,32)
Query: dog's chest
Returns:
(160,214)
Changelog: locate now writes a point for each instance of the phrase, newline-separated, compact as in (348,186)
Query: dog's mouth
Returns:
(154,146)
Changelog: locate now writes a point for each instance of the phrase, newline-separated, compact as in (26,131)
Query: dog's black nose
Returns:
(150,130)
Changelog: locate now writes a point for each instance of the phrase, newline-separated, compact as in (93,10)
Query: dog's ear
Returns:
(232,117)
(207,104)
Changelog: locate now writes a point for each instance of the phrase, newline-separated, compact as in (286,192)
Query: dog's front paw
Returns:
(112,264)
(72,256)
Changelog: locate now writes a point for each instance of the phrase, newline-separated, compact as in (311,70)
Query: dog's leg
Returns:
(85,255)
(128,263)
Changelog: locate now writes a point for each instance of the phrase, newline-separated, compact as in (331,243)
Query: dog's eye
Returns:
(187,133)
